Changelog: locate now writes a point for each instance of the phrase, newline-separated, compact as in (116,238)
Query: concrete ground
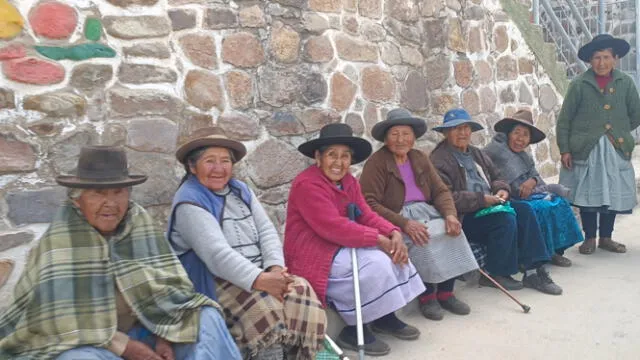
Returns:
(597,317)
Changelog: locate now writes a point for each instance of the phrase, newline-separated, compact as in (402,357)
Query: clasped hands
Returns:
(275,281)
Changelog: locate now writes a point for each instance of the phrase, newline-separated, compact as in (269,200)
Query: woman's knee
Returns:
(88,353)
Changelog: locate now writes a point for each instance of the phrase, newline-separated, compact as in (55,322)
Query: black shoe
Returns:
(455,306)
(432,310)
(507,282)
(542,282)
(376,347)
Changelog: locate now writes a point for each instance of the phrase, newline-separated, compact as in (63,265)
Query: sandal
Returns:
(610,245)
(588,246)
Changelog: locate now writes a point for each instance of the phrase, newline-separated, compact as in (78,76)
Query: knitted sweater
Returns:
(317,225)
(589,112)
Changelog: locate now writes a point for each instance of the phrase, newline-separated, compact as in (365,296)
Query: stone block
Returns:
(476,40)
(507,95)
(203,90)
(137,27)
(471,101)
(314,23)
(34,206)
(318,49)
(12,239)
(507,68)
(217,18)
(33,71)
(57,104)
(463,71)
(284,43)
(156,50)
(152,134)
(15,155)
(144,74)
(414,95)
(162,180)
(370,8)
(411,56)
(261,162)
(240,126)
(434,34)
(332,6)
(403,10)
(525,95)
(343,91)
(484,71)
(547,98)
(390,54)
(243,50)
(313,87)
(525,66)
(13,51)
(142,102)
(64,153)
(500,38)
(91,77)
(283,123)
(487,100)
(356,122)
(278,87)
(372,31)
(7,99)
(252,16)
(53,20)
(200,49)
(128,3)
(455,38)
(182,19)
(438,71)
(239,85)
(352,49)
(442,103)
(314,119)
(377,84)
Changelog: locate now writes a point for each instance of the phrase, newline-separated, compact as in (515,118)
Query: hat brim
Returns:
(451,124)
(620,46)
(505,125)
(361,147)
(239,150)
(82,183)
(418,125)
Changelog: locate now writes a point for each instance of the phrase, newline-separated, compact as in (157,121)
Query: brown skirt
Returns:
(257,320)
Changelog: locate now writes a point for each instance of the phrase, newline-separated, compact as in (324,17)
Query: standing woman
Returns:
(401,184)
(600,110)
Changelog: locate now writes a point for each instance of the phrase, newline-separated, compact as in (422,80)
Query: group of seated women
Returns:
(104,283)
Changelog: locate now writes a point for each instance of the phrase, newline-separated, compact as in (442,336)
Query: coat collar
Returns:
(392,167)
(589,77)
(315,173)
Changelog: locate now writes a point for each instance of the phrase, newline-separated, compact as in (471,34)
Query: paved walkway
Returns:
(597,317)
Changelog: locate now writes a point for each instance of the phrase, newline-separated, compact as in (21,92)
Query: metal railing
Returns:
(571,23)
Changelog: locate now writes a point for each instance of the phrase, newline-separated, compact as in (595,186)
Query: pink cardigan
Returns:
(317,225)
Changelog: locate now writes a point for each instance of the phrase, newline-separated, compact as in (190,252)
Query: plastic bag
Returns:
(506,208)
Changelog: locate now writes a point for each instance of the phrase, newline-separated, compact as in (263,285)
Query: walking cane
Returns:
(336,348)
(351,211)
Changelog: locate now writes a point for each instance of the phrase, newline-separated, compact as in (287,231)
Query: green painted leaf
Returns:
(92,29)
(78,52)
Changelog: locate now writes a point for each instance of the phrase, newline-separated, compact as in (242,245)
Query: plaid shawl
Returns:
(66,296)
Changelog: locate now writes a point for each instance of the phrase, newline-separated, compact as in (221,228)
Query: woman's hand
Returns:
(567,161)
(527,188)
(491,200)
(164,349)
(399,252)
(503,194)
(136,350)
(274,283)
(452,225)
(417,231)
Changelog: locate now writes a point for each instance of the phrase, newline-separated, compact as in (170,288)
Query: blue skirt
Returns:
(558,224)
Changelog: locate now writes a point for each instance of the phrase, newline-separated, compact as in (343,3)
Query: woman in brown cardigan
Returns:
(401,184)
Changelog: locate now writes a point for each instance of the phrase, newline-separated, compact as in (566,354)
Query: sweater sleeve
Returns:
(464,200)
(442,198)
(200,231)
(270,244)
(567,113)
(320,213)
(371,218)
(633,106)
(373,181)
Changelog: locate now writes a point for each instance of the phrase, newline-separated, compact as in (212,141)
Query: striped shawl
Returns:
(66,296)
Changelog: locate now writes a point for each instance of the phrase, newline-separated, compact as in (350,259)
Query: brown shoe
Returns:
(588,246)
(606,243)
(559,260)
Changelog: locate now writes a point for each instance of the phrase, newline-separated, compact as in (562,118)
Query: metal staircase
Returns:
(571,23)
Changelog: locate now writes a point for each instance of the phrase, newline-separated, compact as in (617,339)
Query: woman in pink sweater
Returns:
(319,235)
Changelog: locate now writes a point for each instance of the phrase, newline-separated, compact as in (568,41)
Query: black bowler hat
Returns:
(101,167)
(603,41)
(338,134)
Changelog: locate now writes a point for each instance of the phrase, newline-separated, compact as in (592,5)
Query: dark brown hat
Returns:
(521,117)
(334,134)
(101,167)
(395,117)
(208,137)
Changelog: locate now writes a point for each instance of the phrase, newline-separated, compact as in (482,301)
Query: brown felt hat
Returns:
(101,167)
(399,116)
(210,137)
(521,117)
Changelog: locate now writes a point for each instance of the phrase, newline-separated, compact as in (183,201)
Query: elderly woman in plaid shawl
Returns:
(103,284)
(232,253)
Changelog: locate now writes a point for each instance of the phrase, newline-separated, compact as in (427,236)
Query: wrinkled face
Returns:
(334,162)
(459,137)
(214,168)
(400,139)
(519,138)
(104,209)
(603,62)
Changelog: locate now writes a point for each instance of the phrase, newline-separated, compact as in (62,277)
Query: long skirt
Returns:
(214,343)
(558,224)
(605,182)
(444,257)
(258,321)
(384,286)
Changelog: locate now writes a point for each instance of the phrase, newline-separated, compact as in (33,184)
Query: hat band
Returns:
(107,175)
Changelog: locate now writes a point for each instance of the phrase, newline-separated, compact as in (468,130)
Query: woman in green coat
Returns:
(600,110)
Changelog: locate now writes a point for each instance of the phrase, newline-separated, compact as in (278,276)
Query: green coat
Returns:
(588,113)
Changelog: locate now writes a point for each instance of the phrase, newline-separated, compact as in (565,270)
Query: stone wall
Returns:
(145,73)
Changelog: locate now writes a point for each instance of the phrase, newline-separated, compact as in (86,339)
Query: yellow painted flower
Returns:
(10,20)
